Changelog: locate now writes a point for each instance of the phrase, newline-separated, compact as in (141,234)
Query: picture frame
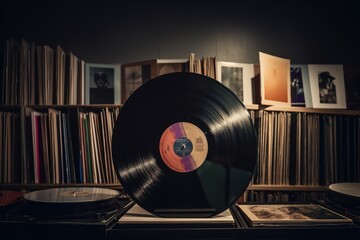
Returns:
(274,80)
(299,76)
(237,77)
(165,66)
(327,86)
(291,214)
(102,83)
(133,75)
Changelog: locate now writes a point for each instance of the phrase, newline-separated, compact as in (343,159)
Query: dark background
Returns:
(122,32)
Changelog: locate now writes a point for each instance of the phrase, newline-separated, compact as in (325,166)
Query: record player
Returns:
(63,213)
(58,213)
(344,197)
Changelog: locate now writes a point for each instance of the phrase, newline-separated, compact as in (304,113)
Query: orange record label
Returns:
(183,147)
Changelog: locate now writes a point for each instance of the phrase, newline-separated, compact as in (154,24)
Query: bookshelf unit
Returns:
(55,147)
(303,150)
(67,143)
(292,183)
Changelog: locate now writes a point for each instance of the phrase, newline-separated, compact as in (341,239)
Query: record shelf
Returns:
(342,123)
(300,149)
(303,150)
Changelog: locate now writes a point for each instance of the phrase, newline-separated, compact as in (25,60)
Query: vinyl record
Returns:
(184,145)
(72,195)
(70,202)
(345,193)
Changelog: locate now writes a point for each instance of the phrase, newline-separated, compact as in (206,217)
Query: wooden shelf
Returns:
(32,187)
(303,188)
(252,106)
(348,112)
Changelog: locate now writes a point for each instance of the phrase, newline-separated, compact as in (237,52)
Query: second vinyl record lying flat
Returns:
(72,195)
(184,145)
(70,202)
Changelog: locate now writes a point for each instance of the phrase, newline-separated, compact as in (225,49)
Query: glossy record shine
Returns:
(72,195)
(212,114)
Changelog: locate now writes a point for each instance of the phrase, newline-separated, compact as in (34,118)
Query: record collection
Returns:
(184,145)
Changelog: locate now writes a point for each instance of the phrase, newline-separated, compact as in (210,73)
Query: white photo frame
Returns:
(102,83)
(237,77)
(274,80)
(327,86)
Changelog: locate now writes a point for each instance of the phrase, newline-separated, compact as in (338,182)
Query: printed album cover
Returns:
(275,80)
(291,214)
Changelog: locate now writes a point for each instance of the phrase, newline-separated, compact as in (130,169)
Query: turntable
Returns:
(58,213)
(344,197)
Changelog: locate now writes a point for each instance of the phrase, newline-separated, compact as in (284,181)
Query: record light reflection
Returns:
(148,181)
(235,118)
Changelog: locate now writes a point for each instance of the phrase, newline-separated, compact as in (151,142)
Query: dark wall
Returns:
(122,32)
(118,32)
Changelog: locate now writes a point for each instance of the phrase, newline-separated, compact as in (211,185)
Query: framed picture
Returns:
(134,75)
(274,80)
(165,66)
(327,86)
(102,84)
(290,214)
(298,75)
(237,77)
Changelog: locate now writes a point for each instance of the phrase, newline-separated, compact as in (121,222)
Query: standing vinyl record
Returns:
(184,145)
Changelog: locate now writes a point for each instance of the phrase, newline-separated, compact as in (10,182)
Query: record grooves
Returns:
(184,145)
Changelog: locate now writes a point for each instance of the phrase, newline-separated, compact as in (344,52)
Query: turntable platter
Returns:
(71,195)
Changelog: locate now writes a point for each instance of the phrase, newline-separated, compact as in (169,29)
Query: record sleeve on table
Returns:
(291,214)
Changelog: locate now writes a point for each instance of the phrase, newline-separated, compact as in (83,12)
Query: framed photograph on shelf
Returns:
(298,75)
(237,77)
(165,66)
(102,83)
(133,75)
(290,215)
(327,86)
(274,80)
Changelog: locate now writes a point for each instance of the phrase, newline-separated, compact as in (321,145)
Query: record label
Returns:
(183,147)
(75,194)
